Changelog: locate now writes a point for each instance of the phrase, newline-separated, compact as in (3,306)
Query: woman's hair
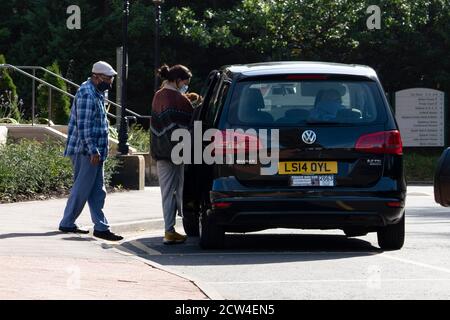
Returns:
(176,72)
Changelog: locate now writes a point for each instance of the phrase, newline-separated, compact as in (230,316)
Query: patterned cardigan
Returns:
(170,111)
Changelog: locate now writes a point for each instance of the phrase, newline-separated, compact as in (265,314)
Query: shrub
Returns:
(29,169)
(139,138)
(9,101)
(420,165)
(60,104)
(10,107)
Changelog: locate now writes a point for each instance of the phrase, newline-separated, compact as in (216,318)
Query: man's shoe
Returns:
(173,238)
(73,230)
(107,235)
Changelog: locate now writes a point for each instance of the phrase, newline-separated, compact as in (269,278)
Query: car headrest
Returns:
(254,99)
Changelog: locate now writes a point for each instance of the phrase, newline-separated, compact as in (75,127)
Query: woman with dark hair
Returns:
(171,110)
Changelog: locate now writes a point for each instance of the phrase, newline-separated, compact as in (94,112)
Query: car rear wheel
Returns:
(392,237)
(190,223)
(211,235)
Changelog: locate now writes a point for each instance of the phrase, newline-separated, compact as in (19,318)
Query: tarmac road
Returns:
(304,264)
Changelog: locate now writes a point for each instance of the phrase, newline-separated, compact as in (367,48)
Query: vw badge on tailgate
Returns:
(309,137)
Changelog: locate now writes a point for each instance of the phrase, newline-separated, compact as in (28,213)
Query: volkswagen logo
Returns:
(309,137)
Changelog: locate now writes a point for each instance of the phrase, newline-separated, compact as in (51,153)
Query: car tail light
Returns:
(394,204)
(234,142)
(221,205)
(389,142)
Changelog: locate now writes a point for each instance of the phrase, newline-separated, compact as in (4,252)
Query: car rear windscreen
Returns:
(285,103)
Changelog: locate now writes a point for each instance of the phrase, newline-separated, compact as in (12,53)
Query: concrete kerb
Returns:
(148,225)
(138,226)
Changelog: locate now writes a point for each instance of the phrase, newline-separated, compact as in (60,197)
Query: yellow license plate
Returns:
(307,167)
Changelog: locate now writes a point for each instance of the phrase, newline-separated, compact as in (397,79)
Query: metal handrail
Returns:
(50,72)
(32,76)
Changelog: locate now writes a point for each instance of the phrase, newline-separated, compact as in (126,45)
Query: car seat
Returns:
(249,108)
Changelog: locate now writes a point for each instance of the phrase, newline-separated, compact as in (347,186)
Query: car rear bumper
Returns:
(307,208)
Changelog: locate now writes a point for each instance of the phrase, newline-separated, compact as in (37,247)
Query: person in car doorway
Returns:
(87,147)
(171,110)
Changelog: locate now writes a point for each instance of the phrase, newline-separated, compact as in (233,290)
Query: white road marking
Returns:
(419,194)
(123,250)
(420,264)
(317,281)
(144,248)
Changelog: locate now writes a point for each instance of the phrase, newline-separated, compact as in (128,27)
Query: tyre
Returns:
(392,237)
(190,223)
(211,235)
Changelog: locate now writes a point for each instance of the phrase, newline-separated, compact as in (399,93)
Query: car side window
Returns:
(205,93)
(217,100)
(210,82)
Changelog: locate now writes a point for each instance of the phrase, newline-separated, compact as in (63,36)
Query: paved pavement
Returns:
(38,262)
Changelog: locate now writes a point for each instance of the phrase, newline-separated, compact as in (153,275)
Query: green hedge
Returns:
(420,165)
(30,170)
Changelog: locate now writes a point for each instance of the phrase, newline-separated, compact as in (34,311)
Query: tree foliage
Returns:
(410,49)
(8,94)
(60,103)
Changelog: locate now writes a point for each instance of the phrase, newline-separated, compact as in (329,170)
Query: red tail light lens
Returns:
(234,142)
(394,204)
(389,142)
(221,205)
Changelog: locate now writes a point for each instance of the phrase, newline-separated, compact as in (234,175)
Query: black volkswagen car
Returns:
(338,154)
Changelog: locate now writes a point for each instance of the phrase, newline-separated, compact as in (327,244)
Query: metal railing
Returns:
(52,87)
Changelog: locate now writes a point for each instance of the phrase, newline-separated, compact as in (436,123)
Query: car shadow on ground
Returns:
(253,249)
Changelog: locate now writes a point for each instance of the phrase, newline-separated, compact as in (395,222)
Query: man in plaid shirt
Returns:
(87,147)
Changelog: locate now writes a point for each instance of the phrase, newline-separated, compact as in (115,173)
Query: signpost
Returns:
(420,114)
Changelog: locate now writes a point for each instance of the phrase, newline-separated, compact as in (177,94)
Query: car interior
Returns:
(299,102)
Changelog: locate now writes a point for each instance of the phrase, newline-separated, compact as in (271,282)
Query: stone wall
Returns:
(3,135)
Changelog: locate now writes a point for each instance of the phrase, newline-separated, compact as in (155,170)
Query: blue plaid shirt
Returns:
(88,123)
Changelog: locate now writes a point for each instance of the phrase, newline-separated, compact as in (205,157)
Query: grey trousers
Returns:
(171,180)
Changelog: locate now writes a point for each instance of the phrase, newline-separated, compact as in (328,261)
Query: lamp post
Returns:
(157,4)
(123,146)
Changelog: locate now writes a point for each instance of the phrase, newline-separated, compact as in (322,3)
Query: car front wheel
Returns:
(190,223)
